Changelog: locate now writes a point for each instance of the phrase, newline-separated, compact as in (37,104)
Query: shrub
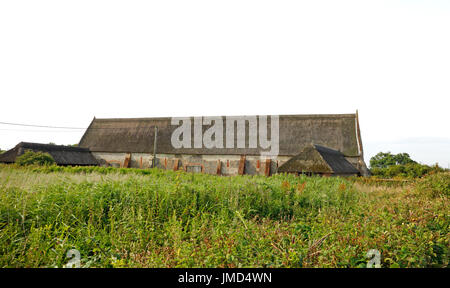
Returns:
(35,158)
(415,170)
(437,184)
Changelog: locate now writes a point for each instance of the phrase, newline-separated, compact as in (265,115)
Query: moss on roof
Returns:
(318,159)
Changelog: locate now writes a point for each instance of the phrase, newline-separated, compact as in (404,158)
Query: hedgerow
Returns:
(414,170)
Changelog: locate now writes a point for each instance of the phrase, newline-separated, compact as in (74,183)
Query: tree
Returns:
(404,159)
(384,160)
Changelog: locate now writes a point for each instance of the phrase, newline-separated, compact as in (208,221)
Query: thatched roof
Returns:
(63,155)
(318,159)
(296,132)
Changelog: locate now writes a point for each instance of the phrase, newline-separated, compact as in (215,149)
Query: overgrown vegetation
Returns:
(387,165)
(155,218)
(406,171)
(35,158)
(438,185)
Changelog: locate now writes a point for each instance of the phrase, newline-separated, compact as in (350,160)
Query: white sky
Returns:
(64,62)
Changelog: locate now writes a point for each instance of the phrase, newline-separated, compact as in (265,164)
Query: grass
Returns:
(155,218)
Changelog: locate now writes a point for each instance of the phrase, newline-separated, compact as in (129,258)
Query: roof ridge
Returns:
(345,115)
(53,147)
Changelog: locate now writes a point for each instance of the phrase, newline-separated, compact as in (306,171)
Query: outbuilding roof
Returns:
(63,155)
(319,159)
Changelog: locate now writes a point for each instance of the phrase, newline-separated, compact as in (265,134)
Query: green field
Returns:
(156,218)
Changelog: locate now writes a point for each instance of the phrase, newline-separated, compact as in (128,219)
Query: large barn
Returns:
(223,145)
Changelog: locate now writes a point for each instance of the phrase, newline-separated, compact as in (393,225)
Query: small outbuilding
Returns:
(63,155)
(319,160)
